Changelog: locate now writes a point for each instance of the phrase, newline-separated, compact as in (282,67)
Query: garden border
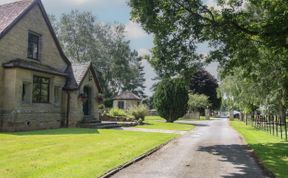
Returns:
(137,159)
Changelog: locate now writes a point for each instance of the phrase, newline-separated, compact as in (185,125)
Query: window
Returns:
(121,104)
(57,95)
(26,92)
(40,89)
(33,46)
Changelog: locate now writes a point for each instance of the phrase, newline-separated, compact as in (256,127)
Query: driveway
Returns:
(212,149)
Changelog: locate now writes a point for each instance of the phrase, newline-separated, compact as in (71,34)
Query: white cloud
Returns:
(211,3)
(134,31)
(143,52)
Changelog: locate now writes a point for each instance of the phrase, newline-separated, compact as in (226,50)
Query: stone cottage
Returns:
(39,87)
(126,100)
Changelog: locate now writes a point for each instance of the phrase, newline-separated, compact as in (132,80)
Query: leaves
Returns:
(85,39)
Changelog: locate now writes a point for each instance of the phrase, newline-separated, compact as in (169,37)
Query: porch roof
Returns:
(33,65)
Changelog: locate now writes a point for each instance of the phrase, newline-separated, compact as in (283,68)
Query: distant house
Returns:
(39,87)
(126,100)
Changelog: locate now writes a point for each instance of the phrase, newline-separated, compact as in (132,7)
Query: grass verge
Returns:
(72,152)
(156,122)
(271,150)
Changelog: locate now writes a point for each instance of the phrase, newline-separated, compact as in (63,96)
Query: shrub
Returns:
(101,106)
(114,112)
(108,103)
(139,112)
(171,99)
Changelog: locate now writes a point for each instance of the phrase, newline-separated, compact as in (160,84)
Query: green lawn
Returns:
(270,149)
(193,119)
(156,122)
(71,152)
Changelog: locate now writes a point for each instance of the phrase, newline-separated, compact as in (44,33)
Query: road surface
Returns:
(212,149)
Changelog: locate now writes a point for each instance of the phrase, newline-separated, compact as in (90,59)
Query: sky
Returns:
(111,11)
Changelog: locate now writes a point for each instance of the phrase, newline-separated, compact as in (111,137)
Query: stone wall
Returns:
(16,115)
(76,109)
(15,44)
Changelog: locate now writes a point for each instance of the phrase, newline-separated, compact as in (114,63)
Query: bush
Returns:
(114,112)
(171,99)
(101,106)
(139,112)
(108,103)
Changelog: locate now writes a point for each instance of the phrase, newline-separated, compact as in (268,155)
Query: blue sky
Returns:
(110,11)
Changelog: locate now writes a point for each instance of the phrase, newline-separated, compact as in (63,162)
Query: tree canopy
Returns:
(202,82)
(83,38)
(248,38)
(197,102)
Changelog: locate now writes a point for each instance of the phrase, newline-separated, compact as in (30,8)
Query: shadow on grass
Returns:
(62,131)
(274,156)
(238,156)
(192,123)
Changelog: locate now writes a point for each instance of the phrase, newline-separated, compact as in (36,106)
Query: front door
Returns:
(87,103)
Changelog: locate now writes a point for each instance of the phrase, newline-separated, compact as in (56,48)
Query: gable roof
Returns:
(77,73)
(127,96)
(12,13)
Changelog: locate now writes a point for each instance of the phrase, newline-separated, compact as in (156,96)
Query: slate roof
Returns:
(33,65)
(76,74)
(79,70)
(127,96)
(10,12)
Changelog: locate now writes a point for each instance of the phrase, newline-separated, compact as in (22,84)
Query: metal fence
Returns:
(271,124)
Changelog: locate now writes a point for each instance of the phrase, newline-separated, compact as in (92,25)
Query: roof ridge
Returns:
(15,2)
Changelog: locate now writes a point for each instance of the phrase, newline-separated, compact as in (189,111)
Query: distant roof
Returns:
(33,65)
(77,72)
(127,96)
(10,12)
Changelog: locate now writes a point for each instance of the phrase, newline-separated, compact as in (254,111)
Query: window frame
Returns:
(40,84)
(38,45)
(122,104)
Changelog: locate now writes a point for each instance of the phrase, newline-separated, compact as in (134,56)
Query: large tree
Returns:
(250,35)
(203,82)
(83,38)
(171,99)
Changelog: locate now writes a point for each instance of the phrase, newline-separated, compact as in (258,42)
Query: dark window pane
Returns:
(33,46)
(40,89)
(120,104)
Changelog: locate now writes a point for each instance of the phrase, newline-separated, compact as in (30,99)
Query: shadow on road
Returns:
(238,156)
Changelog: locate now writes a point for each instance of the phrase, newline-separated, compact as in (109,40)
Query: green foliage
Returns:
(170,99)
(101,106)
(108,103)
(114,112)
(248,39)
(202,82)
(83,38)
(139,112)
(197,102)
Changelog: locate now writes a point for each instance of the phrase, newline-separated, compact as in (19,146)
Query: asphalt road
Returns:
(213,149)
